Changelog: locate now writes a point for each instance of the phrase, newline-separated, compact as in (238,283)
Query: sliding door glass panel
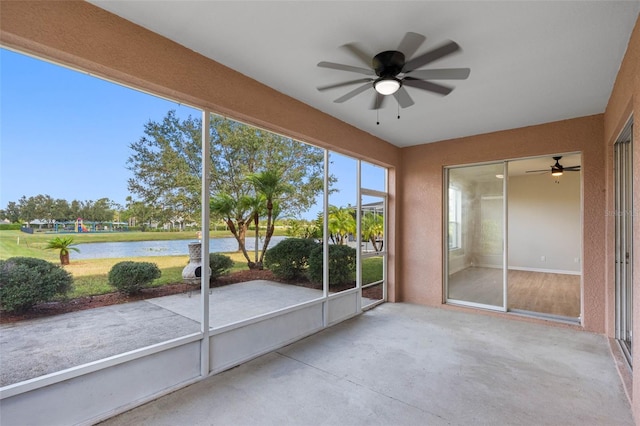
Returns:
(545,236)
(623,212)
(475,217)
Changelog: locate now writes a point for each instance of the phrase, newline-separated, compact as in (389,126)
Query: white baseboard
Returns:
(546,271)
(522,268)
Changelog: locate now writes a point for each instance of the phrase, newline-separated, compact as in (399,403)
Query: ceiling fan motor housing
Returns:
(388,64)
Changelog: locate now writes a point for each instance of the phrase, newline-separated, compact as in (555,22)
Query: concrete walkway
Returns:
(403,364)
(33,348)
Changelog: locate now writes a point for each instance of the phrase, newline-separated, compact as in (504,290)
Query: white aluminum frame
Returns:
(623,218)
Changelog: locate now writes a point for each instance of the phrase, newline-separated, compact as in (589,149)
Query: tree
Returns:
(373,229)
(269,187)
(12,212)
(166,164)
(27,209)
(239,151)
(236,214)
(64,244)
(61,210)
(96,211)
(342,223)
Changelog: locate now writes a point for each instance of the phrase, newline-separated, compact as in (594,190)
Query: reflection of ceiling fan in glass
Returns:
(557,169)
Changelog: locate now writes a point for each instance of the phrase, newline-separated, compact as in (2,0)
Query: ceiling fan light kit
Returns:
(387,86)
(556,171)
(394,73)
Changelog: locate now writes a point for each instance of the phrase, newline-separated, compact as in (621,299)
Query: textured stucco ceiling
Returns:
(531,62)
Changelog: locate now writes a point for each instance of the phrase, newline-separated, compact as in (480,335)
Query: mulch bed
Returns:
(90,302)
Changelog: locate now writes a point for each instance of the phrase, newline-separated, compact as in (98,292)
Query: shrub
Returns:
(26,281)
(289,259)
(219,264)
(342,264)
(10,226)
(131,277)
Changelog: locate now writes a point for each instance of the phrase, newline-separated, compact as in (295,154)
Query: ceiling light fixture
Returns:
(556,171)
(387,86)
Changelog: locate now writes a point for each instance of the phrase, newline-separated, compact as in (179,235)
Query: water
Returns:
(160,248)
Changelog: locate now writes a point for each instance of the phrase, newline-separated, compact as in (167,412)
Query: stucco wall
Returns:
(625,100)
(422,195)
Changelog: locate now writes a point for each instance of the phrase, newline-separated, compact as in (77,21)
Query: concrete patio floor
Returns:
(402,364)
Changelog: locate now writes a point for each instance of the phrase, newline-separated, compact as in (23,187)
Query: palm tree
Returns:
(232,211)
(373,229)
(269,186)
(341,224)
(257,205)
(63,244)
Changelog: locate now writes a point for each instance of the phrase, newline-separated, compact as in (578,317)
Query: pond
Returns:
(160,248)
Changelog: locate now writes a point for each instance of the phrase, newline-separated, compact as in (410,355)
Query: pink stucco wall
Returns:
(422,197)
(624,101)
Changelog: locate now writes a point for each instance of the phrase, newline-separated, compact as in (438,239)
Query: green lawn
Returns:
(371,270)
(90,275)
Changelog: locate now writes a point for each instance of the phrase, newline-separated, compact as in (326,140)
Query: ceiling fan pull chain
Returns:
(377,117)
(398,110)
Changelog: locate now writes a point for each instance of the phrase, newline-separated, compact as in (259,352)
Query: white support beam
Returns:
(204,276)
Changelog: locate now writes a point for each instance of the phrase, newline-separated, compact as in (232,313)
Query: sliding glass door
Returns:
(513,236)
(475,256)
(623,169)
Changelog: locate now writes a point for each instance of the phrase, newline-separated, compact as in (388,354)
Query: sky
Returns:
(66,134)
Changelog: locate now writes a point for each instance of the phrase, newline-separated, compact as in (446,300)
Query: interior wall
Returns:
(623,102)
(544,223)
(422,200)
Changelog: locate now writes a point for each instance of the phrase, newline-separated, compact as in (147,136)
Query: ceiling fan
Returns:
(390,72)
(557,169)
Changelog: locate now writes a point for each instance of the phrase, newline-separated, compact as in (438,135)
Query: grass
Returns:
(90,275)
(372,268)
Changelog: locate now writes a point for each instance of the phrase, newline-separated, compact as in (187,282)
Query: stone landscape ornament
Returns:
(193,271)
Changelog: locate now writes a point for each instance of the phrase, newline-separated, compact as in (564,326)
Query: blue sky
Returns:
(66,134)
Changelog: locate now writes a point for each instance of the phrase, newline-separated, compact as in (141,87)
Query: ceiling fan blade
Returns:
(343,67)
(427,85)
(441,74)
(411,43)
(345,83)
(353,93)
(537,171)
(577,168)
(430,56)
(359,53)
(378,101)
(571,170)
(403,98)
